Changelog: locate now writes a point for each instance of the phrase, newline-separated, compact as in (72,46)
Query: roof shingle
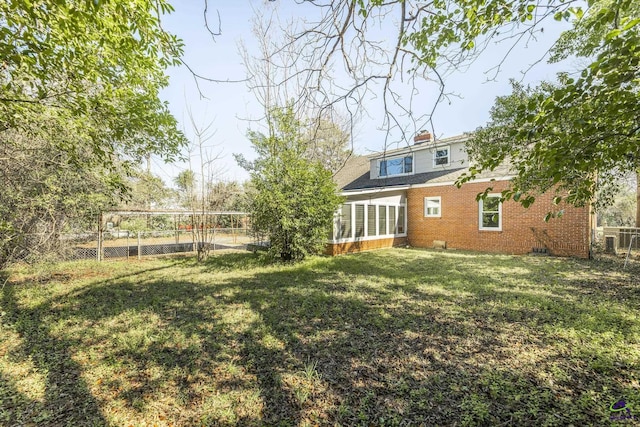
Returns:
(355,176)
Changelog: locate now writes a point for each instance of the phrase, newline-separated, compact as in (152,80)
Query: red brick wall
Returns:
(364,245)
(522,229)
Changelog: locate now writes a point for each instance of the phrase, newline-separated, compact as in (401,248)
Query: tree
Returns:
(294,198)
(577,136)
(225,196)
(328,142)
(79,108)
(622,211)
(275,79)
(586,122)
(44,192)
(101,63)
(202,187)
(346,52)
(146,191)
(186,182)
(638,199)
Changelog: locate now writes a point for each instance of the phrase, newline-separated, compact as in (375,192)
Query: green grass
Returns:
(393,337)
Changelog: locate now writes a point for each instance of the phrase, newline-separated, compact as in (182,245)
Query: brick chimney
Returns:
(422,136)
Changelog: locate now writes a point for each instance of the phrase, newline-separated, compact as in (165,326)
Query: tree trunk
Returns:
(638,198)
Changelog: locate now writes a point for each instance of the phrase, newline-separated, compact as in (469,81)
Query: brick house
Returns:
(407,196)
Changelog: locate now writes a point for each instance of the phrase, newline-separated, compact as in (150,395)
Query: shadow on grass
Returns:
(67,400)
(380,338)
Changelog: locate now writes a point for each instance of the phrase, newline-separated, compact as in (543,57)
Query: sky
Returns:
(231,109)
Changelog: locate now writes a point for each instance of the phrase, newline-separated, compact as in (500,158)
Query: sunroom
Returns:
(369,220)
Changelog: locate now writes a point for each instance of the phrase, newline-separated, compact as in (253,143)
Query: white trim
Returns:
(378,236)
(386,220)
(431,198)
(405,220)
(337,222)
(365,238)
(375,221)
(387,159)
(374,190)
(435,153)
(449,183)
(480,212)
(355,219)
(419,147)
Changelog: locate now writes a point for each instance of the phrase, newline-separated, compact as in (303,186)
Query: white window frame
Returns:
(355,220)
(351,220)
(401,225)
(436,200)
(387,159)
(435,155)
(337,237)
(375,220)
(481,211)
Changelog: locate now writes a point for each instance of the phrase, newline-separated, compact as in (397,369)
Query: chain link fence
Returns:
(615,239)
(152,234)
(126,244)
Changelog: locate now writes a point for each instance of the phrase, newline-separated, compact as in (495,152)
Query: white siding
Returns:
(374,170)
(457,158)
(423,159)
(386,198)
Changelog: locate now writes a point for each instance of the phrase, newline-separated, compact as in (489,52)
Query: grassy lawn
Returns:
(393,337)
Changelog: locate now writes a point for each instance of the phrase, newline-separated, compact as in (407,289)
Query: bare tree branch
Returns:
(341,55)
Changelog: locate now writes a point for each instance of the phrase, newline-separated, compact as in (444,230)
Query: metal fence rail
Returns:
(624,237)
(126,234)
(126,244)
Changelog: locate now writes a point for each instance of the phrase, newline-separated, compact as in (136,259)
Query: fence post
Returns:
(633,237)
(233,230)
(139,247)
(99,247)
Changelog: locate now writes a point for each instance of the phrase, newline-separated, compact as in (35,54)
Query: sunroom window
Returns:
(371,220)
(345,221)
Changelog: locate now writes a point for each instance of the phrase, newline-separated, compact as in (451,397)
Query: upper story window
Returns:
(396,166)
(441,156)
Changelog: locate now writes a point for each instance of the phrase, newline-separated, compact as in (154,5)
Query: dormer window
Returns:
(396,166)
(441,156)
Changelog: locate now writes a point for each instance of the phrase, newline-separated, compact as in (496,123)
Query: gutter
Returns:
(374,190)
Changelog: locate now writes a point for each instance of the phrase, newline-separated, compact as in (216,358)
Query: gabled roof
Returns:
(364,182)
(355,175)
(353,168)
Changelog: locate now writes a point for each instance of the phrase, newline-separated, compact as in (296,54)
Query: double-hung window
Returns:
(441,156)
(396,166)
(432,207)
(490,210)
